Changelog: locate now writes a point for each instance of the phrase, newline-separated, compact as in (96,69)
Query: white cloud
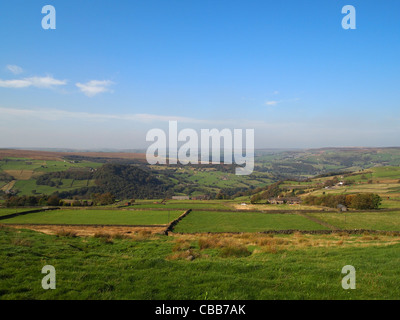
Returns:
(14,69)
(38,82)
(94,87)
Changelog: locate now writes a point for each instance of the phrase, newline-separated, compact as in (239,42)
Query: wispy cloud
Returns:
(14,69)
(63,115)
(55,114)
(276,102)
(38,82)
(94,87)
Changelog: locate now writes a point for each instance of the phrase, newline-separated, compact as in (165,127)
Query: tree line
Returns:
(361,201)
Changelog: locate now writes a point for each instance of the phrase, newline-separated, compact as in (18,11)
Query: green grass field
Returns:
(90,268)
(209,221)
(386,221)
(25,187)
(184,205)
(7,211)
(102,217)
(43,165)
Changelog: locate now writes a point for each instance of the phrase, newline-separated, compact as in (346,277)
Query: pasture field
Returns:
(7,211)
(53,166)
(96,217)
(382,173)
(385,221)
(393,202)
(215,221)
(154,267)
(184,205)
(26,187)
(43,165)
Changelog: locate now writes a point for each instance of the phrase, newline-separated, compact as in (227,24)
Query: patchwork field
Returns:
(26,171)
(97,217)
(213,221)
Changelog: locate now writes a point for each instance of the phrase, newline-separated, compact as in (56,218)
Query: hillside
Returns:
(26,172)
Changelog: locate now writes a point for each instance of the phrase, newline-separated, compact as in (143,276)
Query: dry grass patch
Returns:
(182,245)
(20,174)
(90,231)
(8,186)
(238,251)
(279,244)
(189,255)
(67,233)
(21,242)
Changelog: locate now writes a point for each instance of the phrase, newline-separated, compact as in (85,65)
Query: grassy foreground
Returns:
(156,267)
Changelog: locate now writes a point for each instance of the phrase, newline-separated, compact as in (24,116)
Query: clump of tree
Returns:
(222,196)
(255,198)
(76,203)
(126,181)
(272,191)
(331,182)
(31,201)
(4,176)
(102,199)
(349,182)
(361,201)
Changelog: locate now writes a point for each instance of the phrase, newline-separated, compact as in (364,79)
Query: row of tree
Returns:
(99,199)
(31,201)
(361,201)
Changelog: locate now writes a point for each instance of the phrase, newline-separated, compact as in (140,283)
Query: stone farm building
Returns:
(287,200)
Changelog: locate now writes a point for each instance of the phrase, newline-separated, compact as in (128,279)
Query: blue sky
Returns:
(112,70)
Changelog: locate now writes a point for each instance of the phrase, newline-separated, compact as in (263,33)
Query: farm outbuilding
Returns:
(180,198)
